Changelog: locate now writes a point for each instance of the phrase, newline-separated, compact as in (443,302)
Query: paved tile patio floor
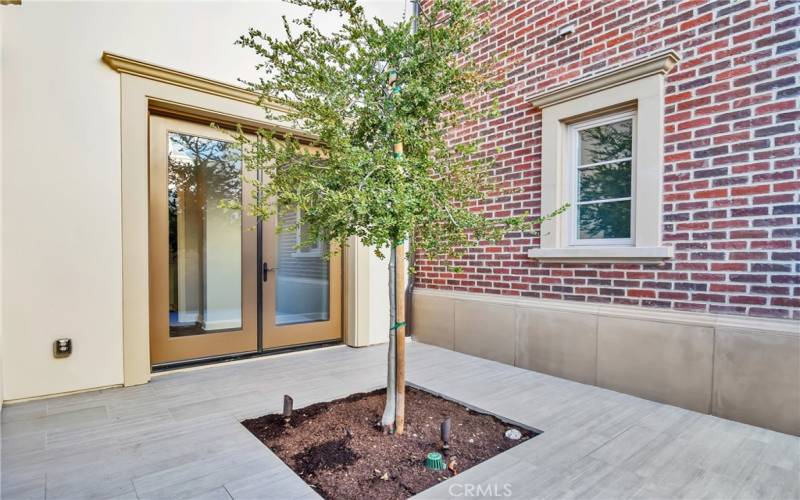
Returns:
(179,436)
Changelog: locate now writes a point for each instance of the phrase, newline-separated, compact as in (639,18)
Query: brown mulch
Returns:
(338,448)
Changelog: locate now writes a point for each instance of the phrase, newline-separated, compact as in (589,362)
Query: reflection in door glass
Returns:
(205,241)
(302,277)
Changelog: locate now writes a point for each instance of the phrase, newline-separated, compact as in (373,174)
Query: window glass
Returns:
(605,220)
(603,181)
(606,142)
(303,276)
(205,240)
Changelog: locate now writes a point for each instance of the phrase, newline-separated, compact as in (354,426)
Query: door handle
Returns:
(265,270)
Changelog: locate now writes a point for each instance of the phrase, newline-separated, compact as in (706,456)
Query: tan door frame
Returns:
(276,336)
(166,348)
(143,86)
(259,330)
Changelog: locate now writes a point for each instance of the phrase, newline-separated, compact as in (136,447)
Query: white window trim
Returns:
(571,183)
(637,88)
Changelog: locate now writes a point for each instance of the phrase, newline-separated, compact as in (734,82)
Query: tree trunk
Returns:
(400,339)
(393,419)
(389,412)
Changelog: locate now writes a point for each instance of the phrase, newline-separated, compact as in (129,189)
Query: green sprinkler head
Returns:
(434,461)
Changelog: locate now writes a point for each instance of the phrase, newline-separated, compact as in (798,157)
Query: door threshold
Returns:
(243,356)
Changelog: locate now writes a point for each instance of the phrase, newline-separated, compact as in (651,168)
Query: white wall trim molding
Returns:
(636,89)
(169,76)
(787,327)
(655,64)
(137,93)
(122,64)
(139,96)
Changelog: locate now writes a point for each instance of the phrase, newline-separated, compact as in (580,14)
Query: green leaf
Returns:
(362,89)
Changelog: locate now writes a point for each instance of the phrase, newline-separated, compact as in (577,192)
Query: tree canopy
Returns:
(337,86)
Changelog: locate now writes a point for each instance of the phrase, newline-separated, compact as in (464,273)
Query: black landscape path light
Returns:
(287,408)
(445,433)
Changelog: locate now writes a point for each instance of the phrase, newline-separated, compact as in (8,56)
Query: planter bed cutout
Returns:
(338,448)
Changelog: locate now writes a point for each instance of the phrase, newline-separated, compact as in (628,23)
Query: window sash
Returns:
(597,202)
(607,162)
(574,167)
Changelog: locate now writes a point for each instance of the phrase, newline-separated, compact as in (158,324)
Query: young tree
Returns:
(380,99)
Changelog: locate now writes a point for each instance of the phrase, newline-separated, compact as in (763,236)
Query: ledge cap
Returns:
(123,64)
(655,64)
(712,320)
(601,254)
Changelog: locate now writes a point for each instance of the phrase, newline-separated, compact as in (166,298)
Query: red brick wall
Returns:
(731,189)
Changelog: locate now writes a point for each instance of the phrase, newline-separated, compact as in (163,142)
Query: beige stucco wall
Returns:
(61,211)
(1,209)
(369,301)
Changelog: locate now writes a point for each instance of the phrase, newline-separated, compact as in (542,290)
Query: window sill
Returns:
(601,254)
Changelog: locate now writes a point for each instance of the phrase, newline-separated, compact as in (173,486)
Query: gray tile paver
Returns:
(179,436)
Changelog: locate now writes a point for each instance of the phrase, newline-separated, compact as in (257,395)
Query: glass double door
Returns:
(221,281)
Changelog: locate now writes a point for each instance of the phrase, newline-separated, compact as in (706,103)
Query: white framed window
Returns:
(602,153)
(601,179)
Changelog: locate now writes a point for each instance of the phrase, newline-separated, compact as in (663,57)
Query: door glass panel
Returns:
(302,277)
(205,240)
